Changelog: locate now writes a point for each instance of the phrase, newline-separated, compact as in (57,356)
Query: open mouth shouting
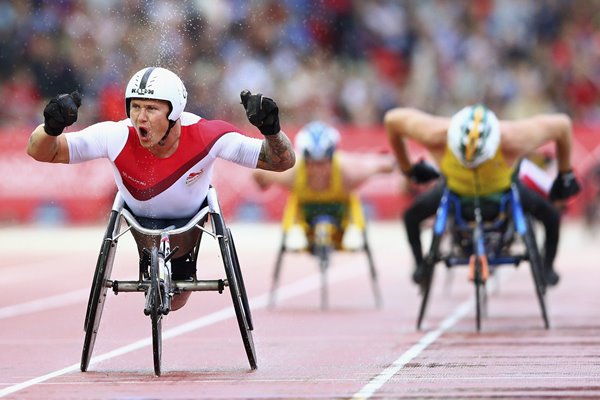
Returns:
(144,133)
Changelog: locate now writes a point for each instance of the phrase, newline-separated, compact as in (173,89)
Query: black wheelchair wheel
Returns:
(98,291)
(425,285)
(240,279)
(535,263)
(277,273)
(234,289)
(155,296)
(372,271)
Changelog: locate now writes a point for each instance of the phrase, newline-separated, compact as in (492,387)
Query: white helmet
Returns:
(159,84)
(474,135)
(317,141)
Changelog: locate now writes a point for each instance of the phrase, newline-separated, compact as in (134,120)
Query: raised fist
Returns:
(262,112)
(61,112)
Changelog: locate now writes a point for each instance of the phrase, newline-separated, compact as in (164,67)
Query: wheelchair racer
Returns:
(323,185)
(477,155)
(163,156)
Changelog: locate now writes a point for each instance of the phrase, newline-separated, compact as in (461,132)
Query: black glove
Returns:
(262,112)
(61,112)
(423,172)
(564,186)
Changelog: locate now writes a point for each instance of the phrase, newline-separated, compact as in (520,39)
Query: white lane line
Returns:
(308,284)
(376,383)
(44,304)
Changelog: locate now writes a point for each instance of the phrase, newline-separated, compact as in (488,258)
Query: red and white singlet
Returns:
(172,187)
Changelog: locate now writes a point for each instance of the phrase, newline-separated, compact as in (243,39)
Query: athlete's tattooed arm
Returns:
(276,153)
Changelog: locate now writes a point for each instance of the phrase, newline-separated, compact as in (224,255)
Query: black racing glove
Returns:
(262,112)
(564,186)
(423,172)
(61,112)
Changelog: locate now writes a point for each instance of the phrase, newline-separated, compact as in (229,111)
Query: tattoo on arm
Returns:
(276,153)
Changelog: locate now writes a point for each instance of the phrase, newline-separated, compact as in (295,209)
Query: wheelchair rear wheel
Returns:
(238,297)
(429,264)
(276,273)
(238,274)
(535,262)
(98,291)
(372,271)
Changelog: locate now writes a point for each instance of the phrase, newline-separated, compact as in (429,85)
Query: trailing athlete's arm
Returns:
(264,179)
(426,129)
(521,137)
(358,168)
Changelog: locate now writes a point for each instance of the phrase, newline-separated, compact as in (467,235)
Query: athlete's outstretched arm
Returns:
(276,153)
(46,142)
(46,148)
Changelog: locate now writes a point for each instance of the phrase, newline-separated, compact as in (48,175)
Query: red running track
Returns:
(351,350)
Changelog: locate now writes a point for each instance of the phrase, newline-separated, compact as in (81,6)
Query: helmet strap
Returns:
(164,138)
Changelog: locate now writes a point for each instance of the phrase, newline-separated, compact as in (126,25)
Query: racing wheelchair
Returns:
(324,224)
(155,273)
(482,235)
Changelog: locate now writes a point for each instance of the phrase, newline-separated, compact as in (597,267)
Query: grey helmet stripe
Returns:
(145,78)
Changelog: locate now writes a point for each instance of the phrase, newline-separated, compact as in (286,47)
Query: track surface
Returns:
(350,350)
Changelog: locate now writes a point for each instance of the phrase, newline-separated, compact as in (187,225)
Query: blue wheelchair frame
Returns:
(482,252)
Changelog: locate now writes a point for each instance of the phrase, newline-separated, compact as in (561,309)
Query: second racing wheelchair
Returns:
(482,234)
(155,273)
(324,224)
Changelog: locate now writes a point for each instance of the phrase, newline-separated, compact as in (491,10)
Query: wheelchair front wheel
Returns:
(480,294)
(323,254)
(155,297)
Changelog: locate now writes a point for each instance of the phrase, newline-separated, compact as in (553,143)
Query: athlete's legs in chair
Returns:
(424,206)
(183,263)
(542,210)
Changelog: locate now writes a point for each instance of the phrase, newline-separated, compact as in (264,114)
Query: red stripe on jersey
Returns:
(145,175)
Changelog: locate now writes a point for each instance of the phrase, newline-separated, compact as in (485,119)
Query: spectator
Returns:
(384,53)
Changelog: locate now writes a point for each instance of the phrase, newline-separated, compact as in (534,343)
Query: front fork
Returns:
(164,272)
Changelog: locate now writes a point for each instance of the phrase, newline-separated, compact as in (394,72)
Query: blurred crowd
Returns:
(346,61)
